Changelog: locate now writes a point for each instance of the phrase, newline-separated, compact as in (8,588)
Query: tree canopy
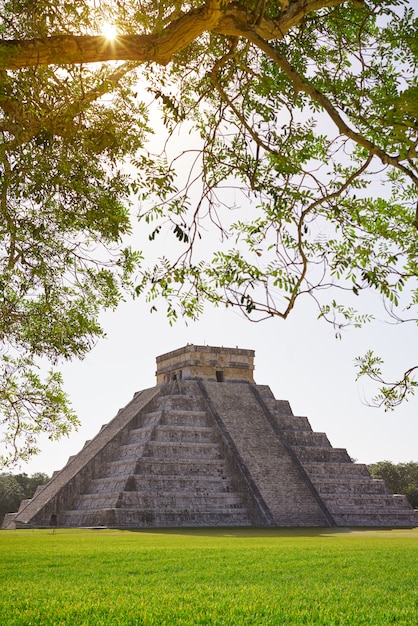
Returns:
(283,166)
(14,489)
(399,477)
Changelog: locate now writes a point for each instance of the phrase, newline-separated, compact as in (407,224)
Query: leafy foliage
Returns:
(65,211)
(30,406)
(399,477)
(15,488)
(391,394)
(311,222)
(11,494)
(301,179)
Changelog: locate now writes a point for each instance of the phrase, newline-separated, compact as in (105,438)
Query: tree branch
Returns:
(224,18)
(302,85)
(70,49)
(26,125)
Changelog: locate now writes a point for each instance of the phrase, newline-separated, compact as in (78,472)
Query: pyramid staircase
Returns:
(172,469)
(351,496)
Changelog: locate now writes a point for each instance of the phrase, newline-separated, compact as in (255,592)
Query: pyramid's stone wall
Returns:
(66,484)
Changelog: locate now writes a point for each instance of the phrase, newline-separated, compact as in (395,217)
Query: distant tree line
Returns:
(18,487)
(399,477)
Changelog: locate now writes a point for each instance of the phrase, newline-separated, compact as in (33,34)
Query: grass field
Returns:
(212,577)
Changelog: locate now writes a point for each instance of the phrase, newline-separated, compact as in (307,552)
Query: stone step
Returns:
(162,501)
(106,485)
(321,470)
(38,490)
(119,468)
(187,434)
(369,503)
(194,484)
(146,420)
(97,500)
(9,521)
(168,450)
(150,418)
(306,438)
(327,455)
(180,501)
(178,402)
(23,503)
(291,422)
(265,392)
(138,435)
(279,407)
(190,419)
(186,518)
(161,482)
(181,467)
(131,450)
(86,518)
(348,486)
(383,519)
(132,518)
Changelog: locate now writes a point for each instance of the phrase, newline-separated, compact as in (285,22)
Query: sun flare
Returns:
(109,31)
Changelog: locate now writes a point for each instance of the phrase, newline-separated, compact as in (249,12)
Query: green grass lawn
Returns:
(215,577)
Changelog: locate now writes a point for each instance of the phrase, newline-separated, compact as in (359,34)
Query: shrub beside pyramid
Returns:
(208,447)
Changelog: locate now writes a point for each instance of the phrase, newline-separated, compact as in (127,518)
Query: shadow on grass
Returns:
(229,531)
(238,532)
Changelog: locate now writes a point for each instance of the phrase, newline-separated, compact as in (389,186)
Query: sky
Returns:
(300,359)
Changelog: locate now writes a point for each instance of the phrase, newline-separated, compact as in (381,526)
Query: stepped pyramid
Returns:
(208,447)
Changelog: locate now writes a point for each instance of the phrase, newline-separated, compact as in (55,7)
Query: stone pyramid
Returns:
(208,447)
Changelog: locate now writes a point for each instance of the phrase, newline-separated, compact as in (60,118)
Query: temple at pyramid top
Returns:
(207,363)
